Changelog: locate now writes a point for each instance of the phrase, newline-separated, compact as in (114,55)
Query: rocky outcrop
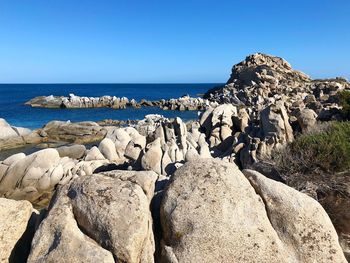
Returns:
(261,80)
(99,217)
(185,103)
(59,238)
(72,102)
(34,177)
(53,133)
(75,151)
(79,132)
(14,137)
(212,213)
(14,217)
(275,102)
(8,132)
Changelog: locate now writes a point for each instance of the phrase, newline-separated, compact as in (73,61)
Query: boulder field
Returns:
(162,190)
(210,212)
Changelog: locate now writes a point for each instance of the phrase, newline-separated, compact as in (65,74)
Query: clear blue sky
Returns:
(167,41)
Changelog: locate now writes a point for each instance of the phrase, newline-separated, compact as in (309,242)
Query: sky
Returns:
(182,41)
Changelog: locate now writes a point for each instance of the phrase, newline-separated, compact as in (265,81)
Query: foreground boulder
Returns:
(98,218)
(14,217)
(59,238)
(211,213)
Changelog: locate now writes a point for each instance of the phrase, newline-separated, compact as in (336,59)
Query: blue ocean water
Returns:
(13,97)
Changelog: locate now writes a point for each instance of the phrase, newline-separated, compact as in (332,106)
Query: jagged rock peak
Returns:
(262,63)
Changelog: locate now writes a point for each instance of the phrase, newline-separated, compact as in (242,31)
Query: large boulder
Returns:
(60,239)
(275,123)
(299,220)
(13,137)
(32,176)
(6,130)
(80,132)
(75,151)
(151,160)
(14,217)
(306,119)
(211,213)
(98,216)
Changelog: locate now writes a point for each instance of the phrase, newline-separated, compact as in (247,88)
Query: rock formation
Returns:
(261,80)
(76,102)
(14,217)
(212,213)
(99,217)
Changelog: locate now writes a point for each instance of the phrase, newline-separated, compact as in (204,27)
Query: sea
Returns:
(13,97)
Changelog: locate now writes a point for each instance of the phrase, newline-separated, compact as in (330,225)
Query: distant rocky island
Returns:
(76,102)
(164,190)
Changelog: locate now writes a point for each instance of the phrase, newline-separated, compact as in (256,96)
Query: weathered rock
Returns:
(80,132)
(29,177)
(107,148)
(275,123)
(13,137)
(94,154)
(75,151)
(59,238)
(211,213)
(74,101)
(111,208)
(14,217)
(299,220)
(306,119)
(151,160)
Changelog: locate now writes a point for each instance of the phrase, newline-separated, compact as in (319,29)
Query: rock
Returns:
(6,130)
(299,220)
(274,123)
(29,177)
(145,179)
(73,101)
(261,80)
(13,158)
(107,148)
(151,160)
(14,217)
(306,119)
(211,213)
(121,138)
(94,154)
(59,238)
(111,208)
(34,177)
(108,205)
(14,137)
(75,151)
(80,132)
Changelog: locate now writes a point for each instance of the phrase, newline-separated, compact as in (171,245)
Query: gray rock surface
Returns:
(111,208)
(14,217)
(60,239)
(211,213)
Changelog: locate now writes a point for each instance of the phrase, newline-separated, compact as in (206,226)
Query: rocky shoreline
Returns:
(162,190)
(76,102)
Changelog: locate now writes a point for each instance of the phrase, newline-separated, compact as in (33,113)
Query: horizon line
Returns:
(105,83)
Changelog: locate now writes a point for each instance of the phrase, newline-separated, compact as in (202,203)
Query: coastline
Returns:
(172,171)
